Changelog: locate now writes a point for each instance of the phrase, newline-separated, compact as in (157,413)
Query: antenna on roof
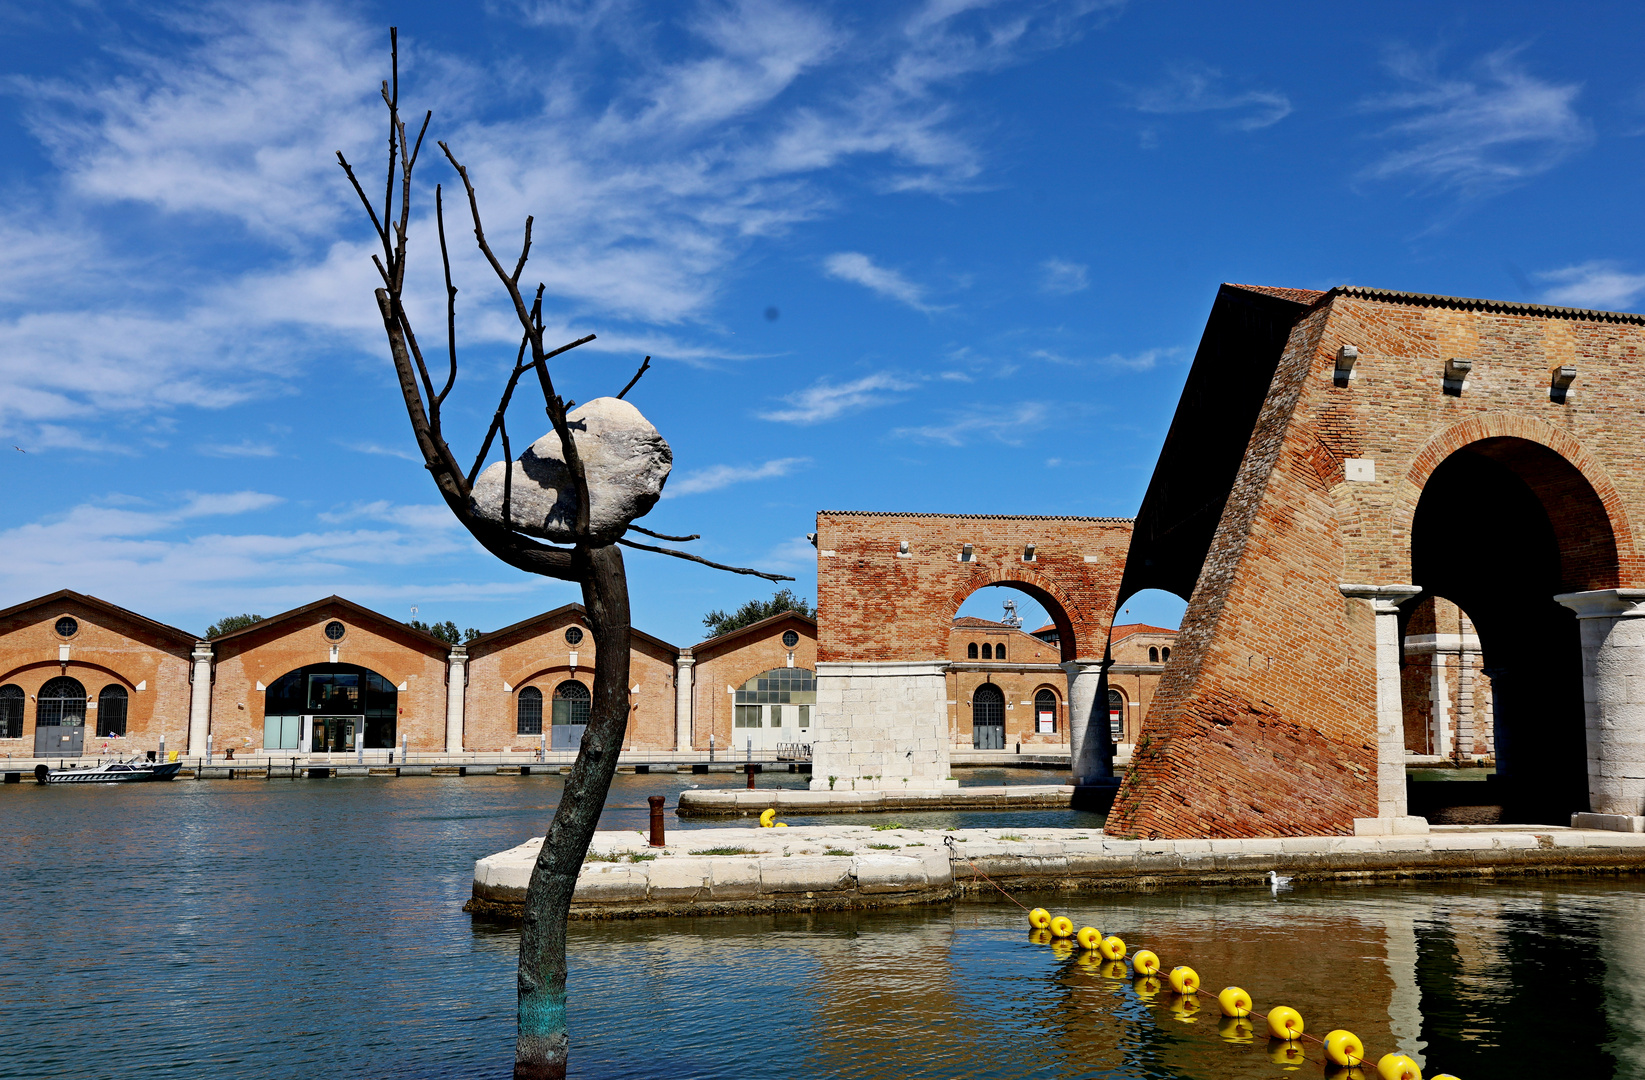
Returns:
(1012,619)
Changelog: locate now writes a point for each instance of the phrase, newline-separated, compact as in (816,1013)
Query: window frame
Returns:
(527,700)
(110,693)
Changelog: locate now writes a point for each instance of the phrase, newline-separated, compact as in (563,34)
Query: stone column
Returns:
(1390,719)
(456,684)
(683,698)
(1090,747)
(199,706)
(881,727)
(1613,692)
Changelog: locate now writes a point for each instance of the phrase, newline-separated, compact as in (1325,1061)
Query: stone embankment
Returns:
(736,803)
(726,871)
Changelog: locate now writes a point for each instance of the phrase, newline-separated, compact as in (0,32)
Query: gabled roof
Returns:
(1128,629)
(182,636)
(365,614)
(769,620)
(577,610)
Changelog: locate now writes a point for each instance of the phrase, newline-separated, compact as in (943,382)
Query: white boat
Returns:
(131,771)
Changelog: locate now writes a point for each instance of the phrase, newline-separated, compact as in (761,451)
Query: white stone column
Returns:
(881,727)
(1613,693)
(199,706)
(1090,747)
(683,697)
(456,684)
(1390,719)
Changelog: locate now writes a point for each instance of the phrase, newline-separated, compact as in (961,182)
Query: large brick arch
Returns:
(877,604)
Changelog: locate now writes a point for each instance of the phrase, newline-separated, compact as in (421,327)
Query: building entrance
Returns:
(330,709)
(988,718)
(60,719)
(773,709)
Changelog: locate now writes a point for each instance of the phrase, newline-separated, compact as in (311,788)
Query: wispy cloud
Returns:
(1193,88)
(825,400)
(1595,284)
(1011,424)
(859,269)
(378,448)
(1059,277)
(1480,133)
(719,476)
(1146,360)
(243,448)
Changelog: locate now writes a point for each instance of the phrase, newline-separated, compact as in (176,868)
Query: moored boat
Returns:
(132,771)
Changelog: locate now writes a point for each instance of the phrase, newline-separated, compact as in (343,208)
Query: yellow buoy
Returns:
(1062,926)
(1282,1052)
(1284,1022)
(1442,1076)
(780,825)
(1039,918)
(1344,1047)
(1234,1001)
(1145,962)
(1184,980)
(767,817)
(1112,948)
(1398,1067)
(1039,937)
(1236,1029)
(1089,937)
(1147,987)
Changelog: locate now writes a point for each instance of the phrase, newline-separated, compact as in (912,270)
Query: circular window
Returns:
(574,636)
(334,630)
(790,638)
(67,627)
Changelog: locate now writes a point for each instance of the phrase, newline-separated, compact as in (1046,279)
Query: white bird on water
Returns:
(1278,884)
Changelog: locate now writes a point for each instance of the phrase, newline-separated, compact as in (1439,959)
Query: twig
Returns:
(451,296)
(693,558)
(508,478)
(502,407)
(665,536)
(643,368)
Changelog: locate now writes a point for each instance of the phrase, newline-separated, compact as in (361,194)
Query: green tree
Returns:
(718,622)
(231,623)
(446,631)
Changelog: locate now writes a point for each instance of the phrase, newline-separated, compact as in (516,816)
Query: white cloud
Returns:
(1059,277)
(1479,134)
(243,448)
(825,400)
(1011,424)
(859,269)
(719,476)
(1595,284)
(385,451)
(1191,88)
(1146,360)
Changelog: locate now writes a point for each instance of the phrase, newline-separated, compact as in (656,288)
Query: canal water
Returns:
(313,928)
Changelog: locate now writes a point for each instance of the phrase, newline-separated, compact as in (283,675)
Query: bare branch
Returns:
(665,536)
(371,211)
(451,297)
(643,369)
(508,479)
(496,421)
(525,252)
(693,558)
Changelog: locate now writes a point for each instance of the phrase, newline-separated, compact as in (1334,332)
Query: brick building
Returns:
(80,675)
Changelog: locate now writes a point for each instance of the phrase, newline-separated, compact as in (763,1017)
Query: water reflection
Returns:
(278,929)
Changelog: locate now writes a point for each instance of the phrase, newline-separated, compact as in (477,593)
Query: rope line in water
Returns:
(1391,1066)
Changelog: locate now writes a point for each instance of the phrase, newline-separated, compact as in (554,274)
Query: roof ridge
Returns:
(1466,302)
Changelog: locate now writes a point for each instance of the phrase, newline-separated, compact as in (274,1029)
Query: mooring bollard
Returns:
(749,768)
(656,802)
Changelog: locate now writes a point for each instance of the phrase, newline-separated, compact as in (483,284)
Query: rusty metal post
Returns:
(749,768)
(656,802)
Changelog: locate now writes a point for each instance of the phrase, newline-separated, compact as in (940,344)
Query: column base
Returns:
(1612,822)
(1096,793)
(1390,826)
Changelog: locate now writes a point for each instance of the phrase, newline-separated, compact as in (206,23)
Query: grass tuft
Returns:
(838,851)
(726,851)
(884,847)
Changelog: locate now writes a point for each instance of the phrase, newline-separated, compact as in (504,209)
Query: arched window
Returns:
(764,701)
(987,651)
(1153,655)
(61,701)
(988,718)
(1116,715)
(11,711)
(528,711)
(971,651)
(347,707)
(1165,654)
(111,712)
(571,703)
(999,651)
(1045,712)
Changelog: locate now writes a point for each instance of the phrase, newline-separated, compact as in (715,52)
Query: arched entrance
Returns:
(988,718)
(330,708)
(60,718)
(1502,527)
(773,709)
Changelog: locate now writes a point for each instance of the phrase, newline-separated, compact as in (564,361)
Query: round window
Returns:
(574,636)
(67,627)
(790,638)
(334,630)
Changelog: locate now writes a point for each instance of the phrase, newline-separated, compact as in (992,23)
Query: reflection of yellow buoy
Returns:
(1145,963)
(1237,1029)
(1147,987)
(1039,918)
(1112,948)
(1284,1023)
(1398,1067)
(1344,1047)
(1183,1007)
(1062,926)
(767,817)
(1351,1072)
(1115,969)
(1089,937)
(1184,980)
(1282,1052)
(1039,937)
(1234,1002)
(1091,962)
(1062,948)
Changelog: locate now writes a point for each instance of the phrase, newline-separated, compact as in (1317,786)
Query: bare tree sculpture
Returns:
(593,559)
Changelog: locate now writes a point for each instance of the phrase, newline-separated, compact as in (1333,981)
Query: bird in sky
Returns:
(19,449)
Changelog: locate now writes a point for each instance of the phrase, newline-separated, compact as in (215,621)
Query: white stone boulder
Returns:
(625,460)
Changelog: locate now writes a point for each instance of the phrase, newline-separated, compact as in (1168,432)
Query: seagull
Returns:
(1278,884)
(19,449)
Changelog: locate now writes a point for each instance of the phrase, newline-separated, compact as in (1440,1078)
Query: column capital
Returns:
(685,659)
(1384,598)
(459,654)
(1085,667)
(203,650)
(1605,603)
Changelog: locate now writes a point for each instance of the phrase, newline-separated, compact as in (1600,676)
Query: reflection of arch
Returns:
(571,702)
(11,711)
(351,702)
(1045,711)
(111,711)
(61,701)
(988,717)
(528,711)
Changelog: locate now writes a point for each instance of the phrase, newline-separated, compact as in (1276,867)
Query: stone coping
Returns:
(733,802)
(727,871)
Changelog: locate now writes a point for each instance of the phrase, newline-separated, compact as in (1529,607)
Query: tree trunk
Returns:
(541,1046)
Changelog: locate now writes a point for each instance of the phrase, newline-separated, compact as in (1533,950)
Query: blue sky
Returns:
(944,256)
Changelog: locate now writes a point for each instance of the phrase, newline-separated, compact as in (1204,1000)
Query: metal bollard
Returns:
(656,802)
(750,770)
